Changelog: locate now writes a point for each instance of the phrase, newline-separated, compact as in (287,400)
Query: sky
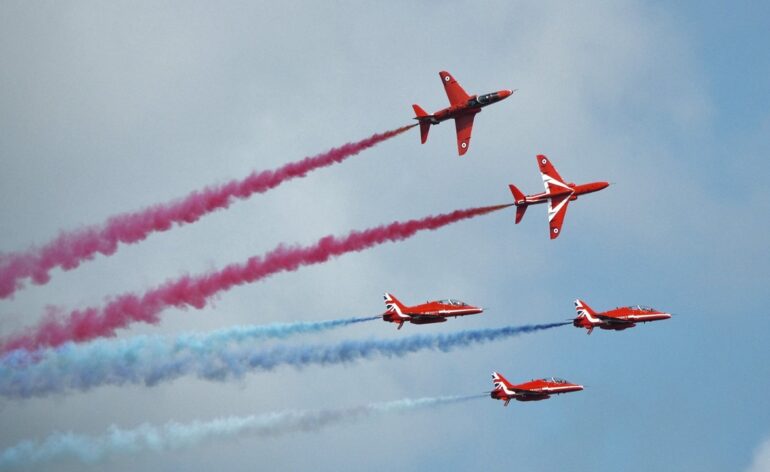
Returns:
(111,107)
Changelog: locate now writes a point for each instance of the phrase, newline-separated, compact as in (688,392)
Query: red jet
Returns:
(429,312)
(557,194)
(534,390)
(617,319)
(462,108)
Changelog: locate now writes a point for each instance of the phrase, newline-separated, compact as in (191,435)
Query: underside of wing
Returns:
(464,125)
(557,210)
(615,321)
(426,319)
(530,394)
(454,92)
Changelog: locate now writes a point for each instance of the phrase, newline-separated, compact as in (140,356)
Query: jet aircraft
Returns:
(462,108)
(557,194)
(617,319)
(534,390)
(429,312)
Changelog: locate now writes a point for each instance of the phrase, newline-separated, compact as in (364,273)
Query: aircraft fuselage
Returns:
(534,390)
(430,312)
(471,107)
(577,190)
(616,319)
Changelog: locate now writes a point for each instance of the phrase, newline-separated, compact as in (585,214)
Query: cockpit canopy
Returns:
(555,380)
(450,301)
(641,307)
(486,98)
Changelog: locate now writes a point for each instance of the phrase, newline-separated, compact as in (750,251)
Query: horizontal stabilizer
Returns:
(520,210)
(424,129)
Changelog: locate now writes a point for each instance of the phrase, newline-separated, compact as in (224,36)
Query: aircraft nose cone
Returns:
(602,185)
(503,94)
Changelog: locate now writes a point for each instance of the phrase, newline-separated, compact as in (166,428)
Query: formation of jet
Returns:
(557,194)
(429,312)
(462,108)
(534,390)
(617,319)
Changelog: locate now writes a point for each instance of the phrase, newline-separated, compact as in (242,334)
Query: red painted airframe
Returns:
(534,390)
(429,312)
(617,320)
(557,194)
(462,108)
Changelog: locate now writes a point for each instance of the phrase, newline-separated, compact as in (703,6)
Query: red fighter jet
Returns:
(429,312)
(557,194)
(462,108)
(617,319)
(534,390)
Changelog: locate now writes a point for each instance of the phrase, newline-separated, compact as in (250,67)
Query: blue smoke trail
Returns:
(150,360)
(173,435)
(21,371)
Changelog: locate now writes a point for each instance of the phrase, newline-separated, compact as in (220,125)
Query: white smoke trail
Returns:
(174,435)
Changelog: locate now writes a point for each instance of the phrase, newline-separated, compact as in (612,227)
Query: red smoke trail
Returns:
(71,248)
(89,323)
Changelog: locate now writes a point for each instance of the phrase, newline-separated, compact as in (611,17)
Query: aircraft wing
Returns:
(551,179)
(454,92)
(557,209)
(464,125)
(530,393)
(427,314)
(612,320)
(423,319)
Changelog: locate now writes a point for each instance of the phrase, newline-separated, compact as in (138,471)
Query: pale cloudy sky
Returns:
(107,108)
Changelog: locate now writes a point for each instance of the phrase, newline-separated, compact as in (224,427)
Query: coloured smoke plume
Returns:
(95,363)
(219,356)
(189,291)
(173,435)
(71,248)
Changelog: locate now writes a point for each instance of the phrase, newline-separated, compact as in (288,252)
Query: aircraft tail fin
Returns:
(423,118)
(583,309)
(499,381)
(392,305)
(519,198)
(419,112)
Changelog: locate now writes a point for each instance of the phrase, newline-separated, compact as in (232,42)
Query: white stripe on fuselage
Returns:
(627,319)
(555,389)
(643,317)
(449,312)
